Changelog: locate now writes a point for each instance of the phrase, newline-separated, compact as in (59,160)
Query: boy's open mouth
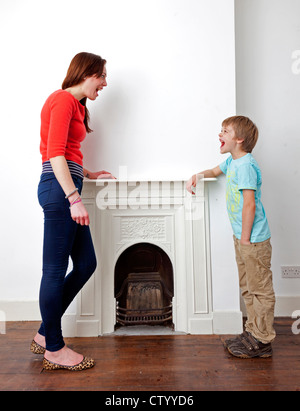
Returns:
(222,143)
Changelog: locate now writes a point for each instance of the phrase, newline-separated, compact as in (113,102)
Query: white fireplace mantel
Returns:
(163,213)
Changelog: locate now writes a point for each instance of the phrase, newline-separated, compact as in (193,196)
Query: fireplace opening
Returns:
(144,286)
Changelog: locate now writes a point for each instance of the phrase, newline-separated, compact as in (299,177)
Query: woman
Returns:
(64,123)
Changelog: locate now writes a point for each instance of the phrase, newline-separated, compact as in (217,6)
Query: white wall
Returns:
(161,112)
(268,90)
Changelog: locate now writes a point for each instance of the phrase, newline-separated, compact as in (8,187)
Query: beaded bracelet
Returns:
(69,195)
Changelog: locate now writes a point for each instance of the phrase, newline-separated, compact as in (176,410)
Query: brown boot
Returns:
(246,346)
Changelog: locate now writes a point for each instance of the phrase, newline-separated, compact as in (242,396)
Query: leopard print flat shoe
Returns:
(36,348)
(85,364)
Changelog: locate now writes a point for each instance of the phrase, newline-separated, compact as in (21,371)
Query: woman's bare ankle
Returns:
(40,339)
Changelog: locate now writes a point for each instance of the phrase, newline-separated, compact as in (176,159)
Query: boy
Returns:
(251,235)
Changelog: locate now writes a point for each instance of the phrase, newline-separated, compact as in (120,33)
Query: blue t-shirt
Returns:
(244,174)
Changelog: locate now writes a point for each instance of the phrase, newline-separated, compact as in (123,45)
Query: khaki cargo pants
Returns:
(255,276)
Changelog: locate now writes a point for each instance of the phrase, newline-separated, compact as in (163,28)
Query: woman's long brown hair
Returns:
(83,65)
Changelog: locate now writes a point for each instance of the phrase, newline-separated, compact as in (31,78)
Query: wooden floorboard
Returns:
(151,363)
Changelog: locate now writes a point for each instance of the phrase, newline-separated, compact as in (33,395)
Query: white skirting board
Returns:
(221,322)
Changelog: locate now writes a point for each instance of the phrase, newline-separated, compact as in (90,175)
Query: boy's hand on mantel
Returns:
(211,173)
(191,184)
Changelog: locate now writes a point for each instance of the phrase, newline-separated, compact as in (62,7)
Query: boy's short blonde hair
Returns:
(245,130)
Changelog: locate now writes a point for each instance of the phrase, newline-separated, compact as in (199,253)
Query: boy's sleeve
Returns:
(223,166)
(247,177)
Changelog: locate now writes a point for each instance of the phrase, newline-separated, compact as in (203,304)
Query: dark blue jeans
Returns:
(63,238)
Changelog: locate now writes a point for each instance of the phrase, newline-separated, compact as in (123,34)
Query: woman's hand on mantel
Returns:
(104,175)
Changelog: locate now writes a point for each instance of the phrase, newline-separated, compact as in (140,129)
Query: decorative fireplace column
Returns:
(161,213)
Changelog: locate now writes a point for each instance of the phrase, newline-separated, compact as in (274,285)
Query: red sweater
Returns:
(62,127)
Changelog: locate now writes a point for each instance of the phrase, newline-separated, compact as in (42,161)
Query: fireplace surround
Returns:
(152,242)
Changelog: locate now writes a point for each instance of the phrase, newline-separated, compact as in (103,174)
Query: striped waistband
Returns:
(75,169)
